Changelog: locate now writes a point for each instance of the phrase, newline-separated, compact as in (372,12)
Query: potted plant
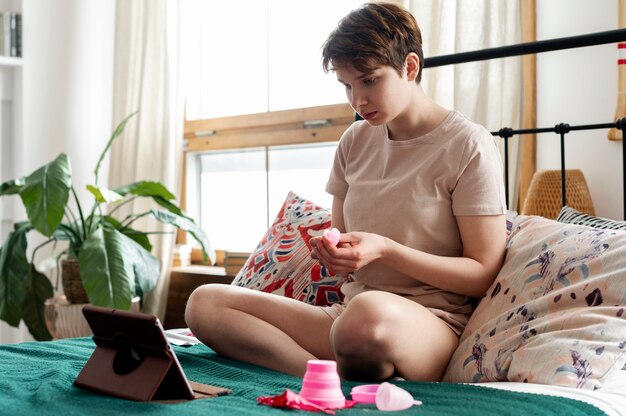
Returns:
(114,258)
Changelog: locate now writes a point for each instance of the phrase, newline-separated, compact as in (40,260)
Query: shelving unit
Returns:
(11,120)
(11,116)
(10,61)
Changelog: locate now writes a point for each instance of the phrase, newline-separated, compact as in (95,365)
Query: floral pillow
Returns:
(554,314)
(282,263)
(510,217)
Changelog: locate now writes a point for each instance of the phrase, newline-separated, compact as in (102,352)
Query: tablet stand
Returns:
(147,371)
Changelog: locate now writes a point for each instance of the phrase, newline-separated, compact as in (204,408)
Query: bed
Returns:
(555,274)
(37,379)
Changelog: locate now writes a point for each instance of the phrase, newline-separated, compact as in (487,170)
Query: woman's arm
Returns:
(483,238)
(337,215)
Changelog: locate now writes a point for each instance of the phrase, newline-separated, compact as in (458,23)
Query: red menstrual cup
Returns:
(321,384)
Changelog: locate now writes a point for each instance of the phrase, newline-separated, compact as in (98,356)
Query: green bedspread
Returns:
(36,378)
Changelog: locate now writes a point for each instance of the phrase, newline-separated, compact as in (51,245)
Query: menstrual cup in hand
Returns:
(390,397)
(332,236)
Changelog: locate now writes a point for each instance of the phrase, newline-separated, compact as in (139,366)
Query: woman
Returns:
(419,200)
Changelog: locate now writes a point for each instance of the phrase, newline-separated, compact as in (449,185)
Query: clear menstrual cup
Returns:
(390,397)
(321,384)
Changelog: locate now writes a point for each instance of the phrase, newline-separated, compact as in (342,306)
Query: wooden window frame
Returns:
(298,126)
(528,147)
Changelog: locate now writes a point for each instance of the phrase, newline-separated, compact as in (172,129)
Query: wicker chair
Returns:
(544,193)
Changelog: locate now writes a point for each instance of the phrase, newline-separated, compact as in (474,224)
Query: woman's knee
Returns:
(361,338)
(203,303)
(364,328)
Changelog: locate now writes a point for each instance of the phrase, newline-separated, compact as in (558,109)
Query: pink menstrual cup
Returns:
(390,397)
(321,384)
(365,394)
(332,236)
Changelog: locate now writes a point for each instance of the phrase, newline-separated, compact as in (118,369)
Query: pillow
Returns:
(555,312)
(510,217)
(569,215)
(282,263)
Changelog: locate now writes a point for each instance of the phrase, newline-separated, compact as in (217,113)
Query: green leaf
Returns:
(187,224)
(139,237)
(45,194)
(146,268)
(14,186)
(170,207)
(145,188)
(118,130)
(38,288)
(159,193)
(13,272)
(66,232)
(106,267)
(104,195)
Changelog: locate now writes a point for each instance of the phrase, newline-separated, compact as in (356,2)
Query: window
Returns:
(262,116)
(247,188)
(251,56)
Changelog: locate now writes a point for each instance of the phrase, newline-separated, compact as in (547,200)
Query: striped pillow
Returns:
(569,215)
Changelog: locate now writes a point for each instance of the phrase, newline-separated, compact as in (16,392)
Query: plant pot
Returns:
(72,283)
(66,320)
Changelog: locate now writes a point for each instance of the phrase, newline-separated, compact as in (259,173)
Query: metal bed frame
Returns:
(562,129)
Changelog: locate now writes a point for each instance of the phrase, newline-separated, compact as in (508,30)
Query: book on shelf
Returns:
(10,34)
(18,34)
(234,261)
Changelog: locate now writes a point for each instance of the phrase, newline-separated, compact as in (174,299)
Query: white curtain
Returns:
(488,92)
(147,79)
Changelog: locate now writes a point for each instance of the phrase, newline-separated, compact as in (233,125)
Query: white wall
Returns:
(68,83)
(579,86)
(67,93)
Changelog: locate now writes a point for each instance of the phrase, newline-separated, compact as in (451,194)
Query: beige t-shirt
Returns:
(411,191)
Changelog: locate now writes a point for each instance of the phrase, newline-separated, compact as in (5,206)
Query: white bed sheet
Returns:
(610,398)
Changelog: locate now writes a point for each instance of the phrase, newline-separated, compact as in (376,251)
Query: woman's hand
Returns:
(354,250)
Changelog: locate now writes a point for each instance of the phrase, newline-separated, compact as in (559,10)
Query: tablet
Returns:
(133,358)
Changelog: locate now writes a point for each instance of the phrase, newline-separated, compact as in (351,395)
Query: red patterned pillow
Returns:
(282,262)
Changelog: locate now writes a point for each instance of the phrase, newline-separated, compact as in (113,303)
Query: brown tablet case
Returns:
(134,360)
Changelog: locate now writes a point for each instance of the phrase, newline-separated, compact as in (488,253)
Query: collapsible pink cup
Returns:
(321,384)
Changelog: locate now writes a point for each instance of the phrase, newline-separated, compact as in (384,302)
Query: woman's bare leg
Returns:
(380,335)
(259,328)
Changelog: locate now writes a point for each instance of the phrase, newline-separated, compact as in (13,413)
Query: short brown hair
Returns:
(371,36)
